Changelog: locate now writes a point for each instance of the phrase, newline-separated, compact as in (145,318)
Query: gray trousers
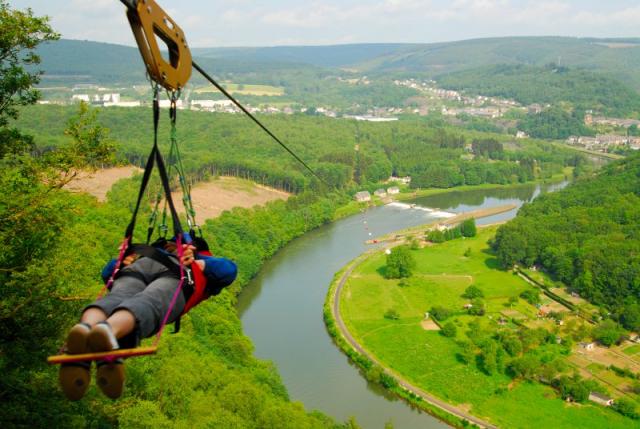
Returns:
(145,295)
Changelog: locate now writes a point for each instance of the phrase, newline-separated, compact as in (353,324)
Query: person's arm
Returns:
(107,271)
(220,272)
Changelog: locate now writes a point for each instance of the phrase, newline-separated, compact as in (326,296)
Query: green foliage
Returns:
(440,313)
(90,139)
(572,387)
(436,236)
(526,367)
(477,308)
(626,407)
(555,123)
(400,263)
(586,236)
(449,330)
(473,292)
(550,84)
(608,333)
(21,33)
(468,228)
(391,314)
(532,296)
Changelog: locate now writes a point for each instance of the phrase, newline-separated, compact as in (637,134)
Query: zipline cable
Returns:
(256,120)
(146,35)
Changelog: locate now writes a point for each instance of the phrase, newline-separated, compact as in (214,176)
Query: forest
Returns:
(587,237)
(549,84)
(433,153)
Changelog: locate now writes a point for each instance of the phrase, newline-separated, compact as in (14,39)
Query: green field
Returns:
(431,361)
(632,350)
(246,89)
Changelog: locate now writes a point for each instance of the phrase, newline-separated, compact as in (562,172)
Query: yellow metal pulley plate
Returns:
(149,23)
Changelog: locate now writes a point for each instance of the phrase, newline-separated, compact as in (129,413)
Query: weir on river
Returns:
(281,310)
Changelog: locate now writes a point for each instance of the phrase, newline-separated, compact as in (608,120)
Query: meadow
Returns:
(433,362)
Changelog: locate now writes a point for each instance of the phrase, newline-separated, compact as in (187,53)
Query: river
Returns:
(281,309)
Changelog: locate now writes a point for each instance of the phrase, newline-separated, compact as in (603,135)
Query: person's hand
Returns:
(130,259)
(188,254)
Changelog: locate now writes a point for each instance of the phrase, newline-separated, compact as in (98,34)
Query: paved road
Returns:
(401,381)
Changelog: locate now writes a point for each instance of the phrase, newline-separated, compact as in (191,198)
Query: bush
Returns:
(449,330)
(473,292)
(608,333)
(532,296)
(468,228)
(436,236)
(440,313)
(391,314)
(626,407)
(477,307)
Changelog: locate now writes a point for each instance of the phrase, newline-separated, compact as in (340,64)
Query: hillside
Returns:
(583,89)
(618,57)
(591,54)
(587,237)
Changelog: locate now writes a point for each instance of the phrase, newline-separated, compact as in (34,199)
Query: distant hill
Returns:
(332,56)
(547,84)
(618,57)
(308,73)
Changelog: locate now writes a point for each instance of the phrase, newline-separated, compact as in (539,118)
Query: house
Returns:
(468,306)
(588,346)
(81,97)
(380,193)
(635,338)
(522,135)
(393,190)
(363,196)
(404,180)
(601,399)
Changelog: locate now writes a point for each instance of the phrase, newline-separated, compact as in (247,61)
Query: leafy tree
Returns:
(21,33)
(489,357)
(532,296)
(440,313)
(473,292)
(400,263)
(626,407)
(449,330)
(436,236)
(468,228)
(467,352)
(526,367)
(631,316)
(477,307)
(608,333)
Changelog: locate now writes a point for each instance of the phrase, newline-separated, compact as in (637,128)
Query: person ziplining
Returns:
(150,285)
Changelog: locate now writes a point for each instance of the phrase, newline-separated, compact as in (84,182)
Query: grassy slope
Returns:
(429,359)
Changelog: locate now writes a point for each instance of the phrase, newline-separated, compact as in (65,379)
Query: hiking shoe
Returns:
(101,338)
(75,377)
(77,339)
(110,378)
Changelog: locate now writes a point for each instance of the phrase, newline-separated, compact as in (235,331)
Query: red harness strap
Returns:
(199,287)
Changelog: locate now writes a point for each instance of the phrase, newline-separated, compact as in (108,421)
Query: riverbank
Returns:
(415,396)
(454,220)
(436,363)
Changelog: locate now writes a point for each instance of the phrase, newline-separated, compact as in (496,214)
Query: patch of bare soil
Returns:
(211,198)
(429,325)
(99,182)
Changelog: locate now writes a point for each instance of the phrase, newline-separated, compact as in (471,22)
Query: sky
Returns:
(213,23)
